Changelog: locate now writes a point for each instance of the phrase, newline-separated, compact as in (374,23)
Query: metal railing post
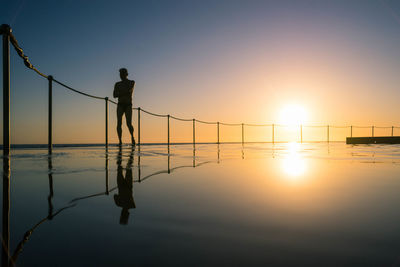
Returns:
(372,129)
(168,128)
(351,131)
(242,133)
(392,130)
(106,99)
(50,123)
(217,132)
(301,133)
(273,133)
(327,133)
(138,125)
(6,31)
(194,131)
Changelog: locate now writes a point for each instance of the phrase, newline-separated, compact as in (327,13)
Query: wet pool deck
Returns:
(258,204)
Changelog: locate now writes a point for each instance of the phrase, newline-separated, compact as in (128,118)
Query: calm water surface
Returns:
(283,205)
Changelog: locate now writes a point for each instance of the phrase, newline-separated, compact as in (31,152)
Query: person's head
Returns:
(123,73)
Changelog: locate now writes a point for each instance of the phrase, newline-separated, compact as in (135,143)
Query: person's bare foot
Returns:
(133,141)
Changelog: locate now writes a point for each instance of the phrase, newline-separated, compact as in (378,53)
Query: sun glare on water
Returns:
(293,164)
(293,115)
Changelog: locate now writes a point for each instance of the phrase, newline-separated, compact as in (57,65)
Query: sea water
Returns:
(288,204)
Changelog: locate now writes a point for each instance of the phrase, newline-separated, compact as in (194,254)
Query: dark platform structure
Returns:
(373,140)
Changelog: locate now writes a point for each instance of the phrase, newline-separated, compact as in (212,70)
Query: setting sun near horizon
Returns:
(293,115)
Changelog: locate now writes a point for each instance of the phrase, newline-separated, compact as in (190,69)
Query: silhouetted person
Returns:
(124,90)
(124,198)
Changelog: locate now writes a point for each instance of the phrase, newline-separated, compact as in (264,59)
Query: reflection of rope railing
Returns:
(8,37)
(93,195)
(28,234)
(171,170)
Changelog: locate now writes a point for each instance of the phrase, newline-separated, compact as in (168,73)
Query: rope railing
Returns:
(77,91)
(154,114)
(8,38)
(180,119)
(20,52)
(257,125)
(205,122)
(230,124)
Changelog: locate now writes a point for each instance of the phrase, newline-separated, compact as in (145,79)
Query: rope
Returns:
(79,92)
(258,125)
(154,114)
(231,124)
(20,52)
(362,126)
(205,122)
(338,126)
(180,119)
(314,126)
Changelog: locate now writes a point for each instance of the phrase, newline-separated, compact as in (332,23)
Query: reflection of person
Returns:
(124,198)
(124,90)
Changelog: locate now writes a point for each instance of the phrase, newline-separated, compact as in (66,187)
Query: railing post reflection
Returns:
(169,163)
(327,133)
(273,151)
(51,192)
(392,130)
(273,133)
(5,255)
(194,156)
(139,170)
(372,130)
(218,153)
(351,131)
(107,186)
(301,133)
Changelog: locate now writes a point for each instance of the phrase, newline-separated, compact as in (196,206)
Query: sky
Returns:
(229,61)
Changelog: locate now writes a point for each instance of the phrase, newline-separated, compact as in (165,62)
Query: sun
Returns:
(293,115)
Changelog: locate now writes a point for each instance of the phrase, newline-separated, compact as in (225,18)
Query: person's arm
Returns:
(133,86)
(115,93)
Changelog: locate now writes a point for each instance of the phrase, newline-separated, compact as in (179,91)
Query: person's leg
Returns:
(120,112)
(128,116)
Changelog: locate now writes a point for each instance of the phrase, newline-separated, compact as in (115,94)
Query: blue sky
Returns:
(231,61)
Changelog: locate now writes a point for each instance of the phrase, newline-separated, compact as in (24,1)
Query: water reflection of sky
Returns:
(215,205)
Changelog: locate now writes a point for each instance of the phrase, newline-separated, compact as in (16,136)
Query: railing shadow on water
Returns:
(9,257)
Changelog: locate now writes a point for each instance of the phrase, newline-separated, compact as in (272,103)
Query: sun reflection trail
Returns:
(293,164)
